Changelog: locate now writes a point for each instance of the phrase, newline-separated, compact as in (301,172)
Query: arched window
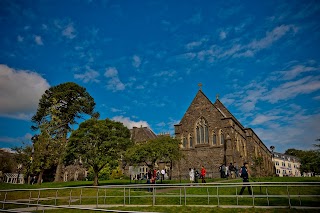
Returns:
(214,138)
(184,142)
(198,134)
(206,134)
(202,131)
(190,141)
(221,137)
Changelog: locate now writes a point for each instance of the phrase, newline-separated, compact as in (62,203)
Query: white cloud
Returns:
(161,124)
(136,61)
(260,119)
(69,31)
(299,131)
(130,123)
(195,19)
(114,82)
(16,140)
(236,48)
(292,89)
(271,37)
(115,110)
(20,38)
(193,44)
(111,72)
(317,97)
(38,40)
(165,73)
(89,76)
(296,70)
(20,92)
(222,35)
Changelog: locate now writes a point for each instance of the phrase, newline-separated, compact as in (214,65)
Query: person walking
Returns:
(196,175)
(203,174)
(245,174)
(227,172)
(232,170)
(236,169)
(191,175)
(223,171)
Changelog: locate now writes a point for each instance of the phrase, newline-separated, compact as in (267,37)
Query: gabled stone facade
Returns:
(210,136)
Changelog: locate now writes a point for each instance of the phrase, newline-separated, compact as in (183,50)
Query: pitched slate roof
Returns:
(142,134)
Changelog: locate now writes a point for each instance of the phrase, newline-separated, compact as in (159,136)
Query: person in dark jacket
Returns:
(244,174)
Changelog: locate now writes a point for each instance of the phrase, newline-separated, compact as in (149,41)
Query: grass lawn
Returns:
(187,209)
(140,196)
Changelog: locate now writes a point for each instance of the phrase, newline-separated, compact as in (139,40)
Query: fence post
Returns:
(4,200)
(267,196)
(208,196)
(70,197)
(29,199)
(153,196)
(105,196)
(237,196)
(218,196)
(299,197)
(55,200)
(180,196)
(252,196)
(97,198)
(289,196)
(124,196)
(129,196)
(38,199)
(80,196)
(185,196)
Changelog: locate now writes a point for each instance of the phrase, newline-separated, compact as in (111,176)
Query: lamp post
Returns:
(272,149)
(272,157)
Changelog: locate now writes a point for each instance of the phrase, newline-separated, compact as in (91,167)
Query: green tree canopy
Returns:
(98,143)
(68,100)
(58,109)
(309,159)
(163,148)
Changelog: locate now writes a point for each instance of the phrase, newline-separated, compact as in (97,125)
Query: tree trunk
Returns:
(170,172)
(57,177)
(40,176)
(95,180)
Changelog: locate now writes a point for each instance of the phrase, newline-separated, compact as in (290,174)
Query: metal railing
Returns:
(225,195)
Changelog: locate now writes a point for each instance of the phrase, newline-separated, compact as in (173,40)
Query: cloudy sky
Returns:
(142,62)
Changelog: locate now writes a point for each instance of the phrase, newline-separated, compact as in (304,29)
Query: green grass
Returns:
(86,196)
(187,209)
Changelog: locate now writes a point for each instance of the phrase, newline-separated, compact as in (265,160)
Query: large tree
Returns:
(309,159)
(59,107)
(98,143)
(162,149)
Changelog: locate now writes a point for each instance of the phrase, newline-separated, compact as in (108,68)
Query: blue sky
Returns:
(142,61)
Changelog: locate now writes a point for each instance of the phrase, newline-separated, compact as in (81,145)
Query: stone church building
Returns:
(210,136)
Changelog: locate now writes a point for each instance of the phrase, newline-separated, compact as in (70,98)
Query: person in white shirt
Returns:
(191,175)
(163,172)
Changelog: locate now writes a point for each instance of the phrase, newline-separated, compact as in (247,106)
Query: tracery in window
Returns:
(214,138)
(202,131)
(190,141)
(184,142)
